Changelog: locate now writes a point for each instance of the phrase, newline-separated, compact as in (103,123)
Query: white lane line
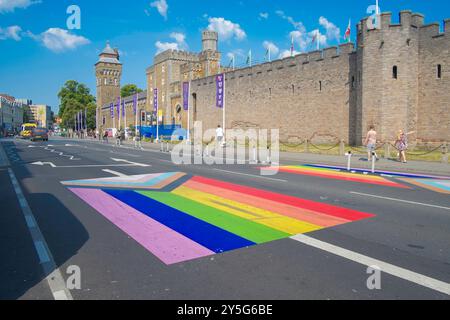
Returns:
(54,276)
(398,272)
(251,175)
(400,200)
(130,162)
(115,173)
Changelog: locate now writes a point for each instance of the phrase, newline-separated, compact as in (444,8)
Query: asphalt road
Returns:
(410,238)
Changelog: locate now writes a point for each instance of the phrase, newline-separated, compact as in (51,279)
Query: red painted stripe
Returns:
(344,213)
(337,177)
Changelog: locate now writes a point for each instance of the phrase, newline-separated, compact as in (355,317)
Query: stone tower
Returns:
(108,71)
(210,57)
(388,76)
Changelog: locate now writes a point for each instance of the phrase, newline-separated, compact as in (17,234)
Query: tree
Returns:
(129,90)
(75,97)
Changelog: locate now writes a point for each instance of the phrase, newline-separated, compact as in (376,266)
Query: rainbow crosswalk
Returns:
(339,175)
(436,185)
(201,217)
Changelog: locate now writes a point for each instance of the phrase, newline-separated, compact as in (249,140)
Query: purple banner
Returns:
(123,108)
(118,107)
(220,81)
(135,101)
(186,96)
(111,110)
(155,99)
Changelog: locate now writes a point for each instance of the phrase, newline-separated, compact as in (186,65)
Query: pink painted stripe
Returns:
(169,246)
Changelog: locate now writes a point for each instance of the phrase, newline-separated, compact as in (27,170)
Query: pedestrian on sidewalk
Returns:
(371,143)
(401,144)
(105,137)
(118,138)
(137,140)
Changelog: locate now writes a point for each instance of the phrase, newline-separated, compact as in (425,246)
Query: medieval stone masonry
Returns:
(397,77)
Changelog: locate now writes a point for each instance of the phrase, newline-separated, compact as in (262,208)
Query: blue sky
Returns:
(38,54)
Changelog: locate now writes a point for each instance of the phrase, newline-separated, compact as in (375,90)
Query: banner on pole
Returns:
(111,110)
(186,96)
(118,107)
(220,79)
(135,101)
(155,99)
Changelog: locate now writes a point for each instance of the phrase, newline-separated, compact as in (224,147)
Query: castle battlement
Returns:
(175,55)
(310,58)
(407,19)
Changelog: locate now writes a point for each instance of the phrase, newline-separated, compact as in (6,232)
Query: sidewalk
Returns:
(292,158)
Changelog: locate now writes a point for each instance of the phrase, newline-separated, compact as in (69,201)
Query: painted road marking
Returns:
(130,162)
(250,175)
(54,276)
(215,215)
(398,272)
(115,173)
(400,200)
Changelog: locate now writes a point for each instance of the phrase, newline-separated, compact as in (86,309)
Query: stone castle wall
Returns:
(306,96)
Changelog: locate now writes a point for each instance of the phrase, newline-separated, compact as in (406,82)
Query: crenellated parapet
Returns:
(175,55)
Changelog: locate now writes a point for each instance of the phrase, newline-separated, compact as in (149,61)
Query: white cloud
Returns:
(333,32)
(180,38)
(161,6)
(179,44)
(59,40)
(163,46)
(300,39)
(264,15)
(226,29)
(297,25)
(11,5)
(12,32)
(274,50)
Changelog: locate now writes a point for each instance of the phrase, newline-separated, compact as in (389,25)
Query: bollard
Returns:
(349,160)
(445,153)
(374,160)
(269,160)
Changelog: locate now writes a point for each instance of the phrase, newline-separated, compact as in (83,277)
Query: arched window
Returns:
(395,72)
(439,71)
(320,85)
(353,81)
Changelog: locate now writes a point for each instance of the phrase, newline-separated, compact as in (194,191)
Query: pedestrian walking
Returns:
(401,144)
(371,143)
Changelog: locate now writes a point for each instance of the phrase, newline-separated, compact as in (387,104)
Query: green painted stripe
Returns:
(244,228)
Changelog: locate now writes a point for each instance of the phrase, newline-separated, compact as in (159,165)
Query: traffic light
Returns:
(143,116)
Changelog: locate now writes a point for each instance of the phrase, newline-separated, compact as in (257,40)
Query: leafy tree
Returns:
(129,90)
(75,97)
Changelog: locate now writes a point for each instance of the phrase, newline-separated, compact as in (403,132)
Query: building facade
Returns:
(396,78)
(11,114)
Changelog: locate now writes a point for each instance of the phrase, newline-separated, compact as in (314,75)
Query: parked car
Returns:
(39,134)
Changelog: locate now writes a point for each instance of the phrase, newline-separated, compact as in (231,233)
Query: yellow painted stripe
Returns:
(264,217)
(336,173)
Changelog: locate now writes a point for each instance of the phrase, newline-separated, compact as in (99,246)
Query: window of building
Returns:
(353,82)
(320,85)
(439,71)
(270,91)
(293,89)
(395,72)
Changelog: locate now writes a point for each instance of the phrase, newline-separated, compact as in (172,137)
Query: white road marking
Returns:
(398,272)
(54,277)
(130,162)
(115,173)
(250,175)
(400,200)
(39,163)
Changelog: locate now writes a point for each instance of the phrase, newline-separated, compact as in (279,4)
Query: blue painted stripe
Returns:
(205,234)
(392,173)
(42,252)
(435,183)
(148,183)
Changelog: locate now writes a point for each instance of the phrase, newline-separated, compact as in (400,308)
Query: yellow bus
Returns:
(27,129)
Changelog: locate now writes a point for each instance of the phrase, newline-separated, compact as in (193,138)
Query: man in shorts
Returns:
(371,143)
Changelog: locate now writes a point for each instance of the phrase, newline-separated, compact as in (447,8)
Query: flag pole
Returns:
(189,114)
(224,111)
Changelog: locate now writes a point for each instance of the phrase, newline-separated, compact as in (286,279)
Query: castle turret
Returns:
(388,65)
(209,40)
(108,71)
